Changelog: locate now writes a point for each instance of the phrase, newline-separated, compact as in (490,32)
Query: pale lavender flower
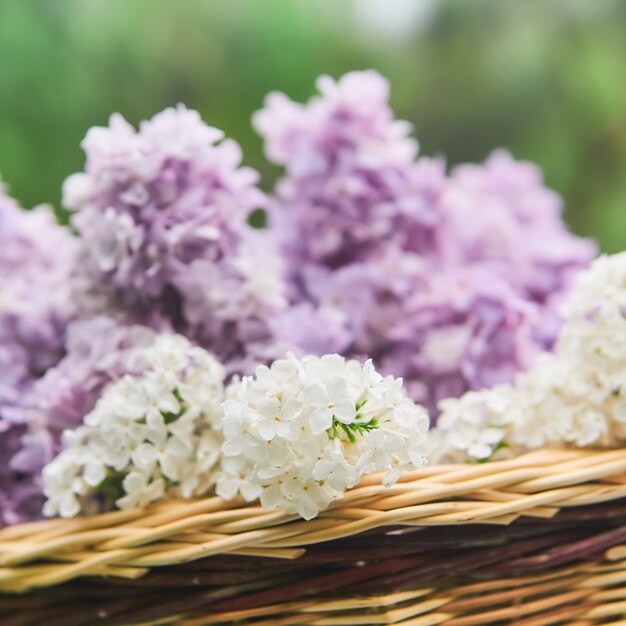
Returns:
(162,215)
(500,214)
(350,186)
(443,331)
(454,330)
(36,259)
(452,281)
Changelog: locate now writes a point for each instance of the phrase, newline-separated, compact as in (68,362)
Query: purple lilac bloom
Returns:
(162,215)
(20,498)
(36,259)
(520,234)
(452,281)
(351,189)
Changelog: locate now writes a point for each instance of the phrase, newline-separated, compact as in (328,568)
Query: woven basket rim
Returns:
(129,543)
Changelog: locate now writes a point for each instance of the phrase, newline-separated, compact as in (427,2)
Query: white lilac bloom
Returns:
(474,427)
(161,214)
(150,435)
(302,431)
(574,397)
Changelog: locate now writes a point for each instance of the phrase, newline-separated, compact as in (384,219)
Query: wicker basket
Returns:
(537,540)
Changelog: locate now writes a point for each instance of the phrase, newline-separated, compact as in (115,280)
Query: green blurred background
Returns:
(545,78)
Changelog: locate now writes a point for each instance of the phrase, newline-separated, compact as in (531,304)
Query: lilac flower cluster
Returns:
(97,351)
(162,215)
(36,258)
(348,165)
(518,233)
(452,281)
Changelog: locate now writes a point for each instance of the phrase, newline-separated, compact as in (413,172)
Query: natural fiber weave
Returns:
(585,595)
(531,572)
(127,544)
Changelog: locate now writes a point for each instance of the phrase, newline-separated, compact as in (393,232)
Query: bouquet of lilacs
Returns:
(161,347)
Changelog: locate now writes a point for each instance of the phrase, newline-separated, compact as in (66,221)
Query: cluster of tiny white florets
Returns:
(301,432)
(149,435)
(574,397)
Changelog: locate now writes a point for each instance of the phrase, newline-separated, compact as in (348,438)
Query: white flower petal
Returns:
(145,456)
(315,395)
(321,420)
(345,411)
(94,473)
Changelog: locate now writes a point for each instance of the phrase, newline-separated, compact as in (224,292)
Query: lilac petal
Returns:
(321,420)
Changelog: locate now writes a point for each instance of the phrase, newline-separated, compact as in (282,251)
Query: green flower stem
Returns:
(352,430)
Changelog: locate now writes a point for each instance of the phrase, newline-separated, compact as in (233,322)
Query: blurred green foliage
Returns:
(544,78)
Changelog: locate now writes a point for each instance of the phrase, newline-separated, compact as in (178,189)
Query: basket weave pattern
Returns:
(439,547)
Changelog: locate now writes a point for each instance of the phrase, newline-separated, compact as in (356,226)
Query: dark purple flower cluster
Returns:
(450,280)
